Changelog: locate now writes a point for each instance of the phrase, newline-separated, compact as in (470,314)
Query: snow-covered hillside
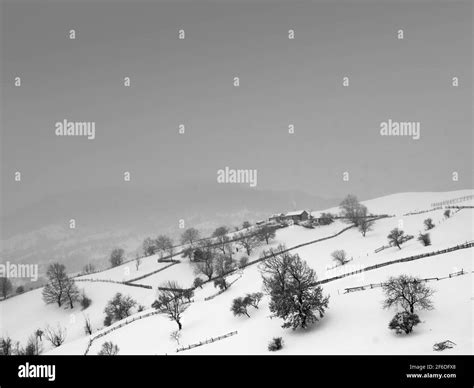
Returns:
(355,322)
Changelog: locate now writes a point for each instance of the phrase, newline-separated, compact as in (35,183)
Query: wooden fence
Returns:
(153,272)
(403,240)
(209,341)
(115,282)
(423,211)
(122,323)
(466,245)
(265,257)
(454,200)
(376,285)
(221,291)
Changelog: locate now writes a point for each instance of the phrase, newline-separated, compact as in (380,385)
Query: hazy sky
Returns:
(190,81)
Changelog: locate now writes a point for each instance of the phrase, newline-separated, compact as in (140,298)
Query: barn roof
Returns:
(277,215)
(295,213)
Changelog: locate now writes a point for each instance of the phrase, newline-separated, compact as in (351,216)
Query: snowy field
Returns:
(355,323)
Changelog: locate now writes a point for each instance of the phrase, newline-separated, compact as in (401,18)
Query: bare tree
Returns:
(55,289)
(266,233)
(247,241)
(55,336)
(164,245)
(138,261)
(176,335)
(205,265)
(71,292)
(170,302)
(89,268)
(395,237)
(6,346)
(108,349)
(408,292)
(352,210)
(87,325)
(117,257)
(5,286)
(220,234)
(365,225)
(34,347)
(39,333)
(149,246)
(340,256)
(189,236)
(223,265)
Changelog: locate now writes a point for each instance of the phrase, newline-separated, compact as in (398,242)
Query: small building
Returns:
(296,216)
(276,217)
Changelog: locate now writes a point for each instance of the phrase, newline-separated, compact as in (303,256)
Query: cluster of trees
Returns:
(290,283)
(118,308)
(173,301)
(88,268)
(425,238)
(163,245)
(108,349)
(356,213)
(34,345)
(408,293)
(6,287)
(223,243)
(216,259)
(60,288)
(240,305)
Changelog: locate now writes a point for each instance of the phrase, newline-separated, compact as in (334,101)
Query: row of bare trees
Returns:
(34,345)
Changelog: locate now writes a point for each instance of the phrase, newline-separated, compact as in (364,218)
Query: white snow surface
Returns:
(355,323)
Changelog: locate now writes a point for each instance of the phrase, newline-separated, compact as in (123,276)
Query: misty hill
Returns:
(114,216)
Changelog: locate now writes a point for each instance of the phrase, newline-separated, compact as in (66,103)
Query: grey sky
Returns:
(190,82)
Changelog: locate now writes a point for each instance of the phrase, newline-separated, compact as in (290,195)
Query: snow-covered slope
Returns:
(355,323)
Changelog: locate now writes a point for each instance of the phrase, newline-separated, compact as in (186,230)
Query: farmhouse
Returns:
(295,216)
(276,217)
